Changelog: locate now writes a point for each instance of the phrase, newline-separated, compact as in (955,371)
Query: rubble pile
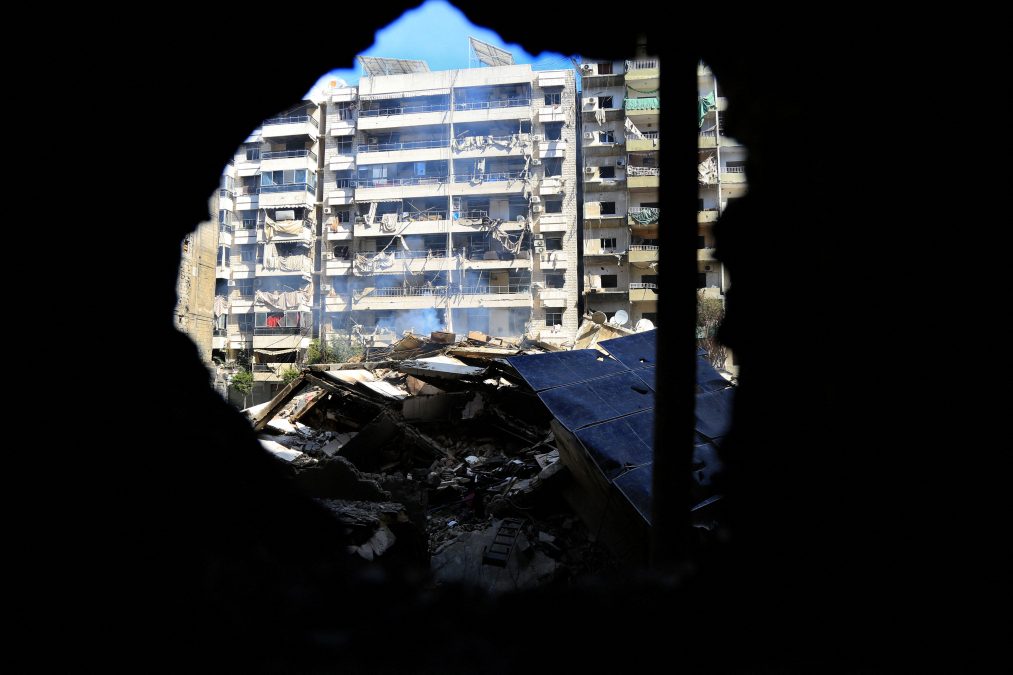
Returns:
(449,456)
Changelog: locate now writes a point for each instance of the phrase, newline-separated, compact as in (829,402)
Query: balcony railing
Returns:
(246,190)
(399,291)
(638,284)
(424,215)
(486,105)
(411,255)
(473,214)
(641,64)
(288,187)
(404,110)
(487,177)
(643,171)
(225,192)
(288,154)
(643,247)
(707,134)
(286,330)
(644,215)
(225,227)
(262,368)
(407,145)
(393,182)
(291,119)
(220,332)
(482,290)
(248,224)
(733,169)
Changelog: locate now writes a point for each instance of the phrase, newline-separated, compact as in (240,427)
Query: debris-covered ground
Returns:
(440,454)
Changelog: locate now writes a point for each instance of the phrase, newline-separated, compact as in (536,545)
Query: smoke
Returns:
(420,321)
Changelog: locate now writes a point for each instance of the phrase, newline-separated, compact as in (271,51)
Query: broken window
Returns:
(554,280)
(554,166)
(608,208)
(607,171)
(553,205)
(553,131)
(244,322)
(253,153)
(342,216)
(606,137)
(605,68)
(341,252)
(649,279)
(604,102)
(553,318)
(608,243)
(609,281)
(553,243)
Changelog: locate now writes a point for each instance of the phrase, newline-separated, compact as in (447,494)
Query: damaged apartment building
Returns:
(446,201)
(621,142)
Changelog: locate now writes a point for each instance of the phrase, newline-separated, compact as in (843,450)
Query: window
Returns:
(244,288)
(608,243)
(605,68)
(344,145)
(341,252)
(651,316)
(554,166)
(608,208)
(553,131)
(248,253)
(553,205)
(249,219)
(342,216)
(345,111)
(553,97)
(227,182)
(224,217)
(609,281)
(606,137)
(224,256)
(607,171)
(245,322)
(699,205)
(343,179)
(737,166)
(553,318)
(648,161)
(649,279)
(553,243)
(252,153)
(604,101)
(554,280)
(700,241)
(701,280)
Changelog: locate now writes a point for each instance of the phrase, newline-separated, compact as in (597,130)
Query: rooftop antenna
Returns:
(620,318)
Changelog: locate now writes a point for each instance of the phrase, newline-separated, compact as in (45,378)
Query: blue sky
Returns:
(412,37)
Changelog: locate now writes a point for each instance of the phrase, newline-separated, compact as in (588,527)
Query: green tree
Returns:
(337,350)
(289,374)
(710,312)
(242,382)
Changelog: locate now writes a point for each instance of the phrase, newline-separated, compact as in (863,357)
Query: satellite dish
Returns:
(644,324)
(598,318)
(621,318)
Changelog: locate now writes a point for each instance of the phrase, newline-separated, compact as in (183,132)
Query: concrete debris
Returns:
(453,456)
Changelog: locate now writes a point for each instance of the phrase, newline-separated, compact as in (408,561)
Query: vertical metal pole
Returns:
(448,312)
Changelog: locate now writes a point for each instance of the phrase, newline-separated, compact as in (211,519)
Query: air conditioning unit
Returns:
(536,162)
(590,103)
(537,137)
(588,169)
(707,268)
(537,208)
(588,136)
(586,68)
(535,199)
(620,162)
(328,255)
(325,287)
(327,210)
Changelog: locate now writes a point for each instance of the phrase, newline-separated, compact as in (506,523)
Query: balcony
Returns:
(399,297)
(279,160)
(708,139)
(705,254)
(642,253)
(338,302)
(643,292)
(640,71)
(638,107)
(287,230)
(550,185)
(556,148)
(551,113)
(247,197)
(643,177)
(292,125)
(733,174)
(473,297)
(554,260)
(340,193)
(479,261)
(483,111)
(337,231)
(643,216)
(336,267)
(397,115)
(552,297)
(396,188)
(592,211)
(707,216)
(415,262)
(490,183)
(490,146)
(407,151)
(282,265)
(553,222)
(297,195)
(650,141)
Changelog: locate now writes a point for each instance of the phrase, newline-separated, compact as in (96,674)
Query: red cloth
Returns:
(274,320)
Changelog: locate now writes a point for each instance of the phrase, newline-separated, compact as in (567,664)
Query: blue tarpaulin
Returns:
(607,402)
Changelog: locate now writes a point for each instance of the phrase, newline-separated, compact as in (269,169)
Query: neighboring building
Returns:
(722,178)
(621,109)
(195,288)
(266,248)
(450,203)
